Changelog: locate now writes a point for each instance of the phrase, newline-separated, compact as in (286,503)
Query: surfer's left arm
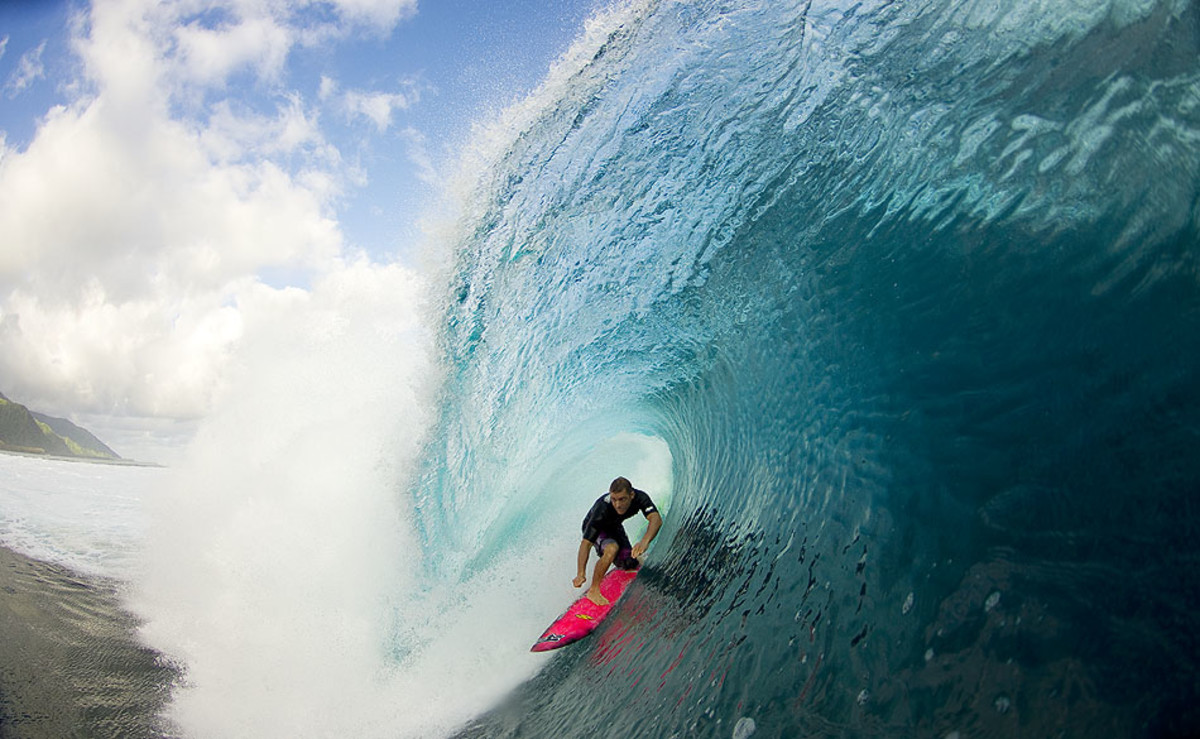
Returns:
(655,523)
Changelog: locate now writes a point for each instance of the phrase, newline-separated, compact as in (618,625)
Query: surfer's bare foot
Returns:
(594,596)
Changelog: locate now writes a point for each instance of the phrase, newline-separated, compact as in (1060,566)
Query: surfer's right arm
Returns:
(585,549)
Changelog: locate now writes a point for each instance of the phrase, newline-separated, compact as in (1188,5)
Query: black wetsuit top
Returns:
(603,519)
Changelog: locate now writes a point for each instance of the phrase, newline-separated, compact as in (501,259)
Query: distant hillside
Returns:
(22,430)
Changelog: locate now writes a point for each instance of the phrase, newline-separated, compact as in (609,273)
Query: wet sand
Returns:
(70,665)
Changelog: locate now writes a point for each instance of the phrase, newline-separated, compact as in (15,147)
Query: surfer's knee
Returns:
(610,550)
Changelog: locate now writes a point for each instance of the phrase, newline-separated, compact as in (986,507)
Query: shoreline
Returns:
(70,662)
(117,462)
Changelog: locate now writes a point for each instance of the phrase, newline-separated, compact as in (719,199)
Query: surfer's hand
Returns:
(638,550)
(579,581)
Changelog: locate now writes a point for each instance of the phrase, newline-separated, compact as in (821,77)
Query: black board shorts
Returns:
(624,560)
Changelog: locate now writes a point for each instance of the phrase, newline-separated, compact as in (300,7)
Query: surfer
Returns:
(604,532)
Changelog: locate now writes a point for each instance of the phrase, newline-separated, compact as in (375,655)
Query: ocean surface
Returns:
(894,307)
(85,516)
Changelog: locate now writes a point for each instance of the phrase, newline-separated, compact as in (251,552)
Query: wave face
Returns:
(909,293)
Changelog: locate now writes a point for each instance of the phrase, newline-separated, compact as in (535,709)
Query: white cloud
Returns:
(3,46)
(211,55)
(134,355)
(329,87)
(132,251)
(292,130)
(382,14)
(417,148)
(375,106)
(139,219)
(152,201)
(378,106)
(29,70)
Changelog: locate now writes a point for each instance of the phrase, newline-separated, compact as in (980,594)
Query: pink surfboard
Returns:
(584,616)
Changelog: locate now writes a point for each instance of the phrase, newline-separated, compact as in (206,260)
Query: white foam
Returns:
(280,549)
(83,515)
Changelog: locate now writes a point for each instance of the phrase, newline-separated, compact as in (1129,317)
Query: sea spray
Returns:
(281,547)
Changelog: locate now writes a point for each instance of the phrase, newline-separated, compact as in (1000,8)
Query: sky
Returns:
(173,172)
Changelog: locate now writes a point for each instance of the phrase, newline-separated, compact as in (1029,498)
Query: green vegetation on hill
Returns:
(22,430)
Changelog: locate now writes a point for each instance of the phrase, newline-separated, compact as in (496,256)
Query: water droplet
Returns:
(993,600)
(908,604)
(744,728)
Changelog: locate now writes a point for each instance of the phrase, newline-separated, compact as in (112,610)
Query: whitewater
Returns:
(894,308)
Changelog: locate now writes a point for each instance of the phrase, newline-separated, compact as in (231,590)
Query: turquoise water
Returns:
(908,294)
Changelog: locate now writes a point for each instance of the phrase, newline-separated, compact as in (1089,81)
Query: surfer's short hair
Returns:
(621,485)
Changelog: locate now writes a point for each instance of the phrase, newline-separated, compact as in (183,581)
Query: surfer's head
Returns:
(620,494)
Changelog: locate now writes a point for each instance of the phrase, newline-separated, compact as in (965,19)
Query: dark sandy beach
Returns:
(70,665)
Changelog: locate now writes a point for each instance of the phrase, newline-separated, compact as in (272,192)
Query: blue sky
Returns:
(175,176)
(455,61)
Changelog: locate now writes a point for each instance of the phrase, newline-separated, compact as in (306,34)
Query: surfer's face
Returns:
(621,500)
